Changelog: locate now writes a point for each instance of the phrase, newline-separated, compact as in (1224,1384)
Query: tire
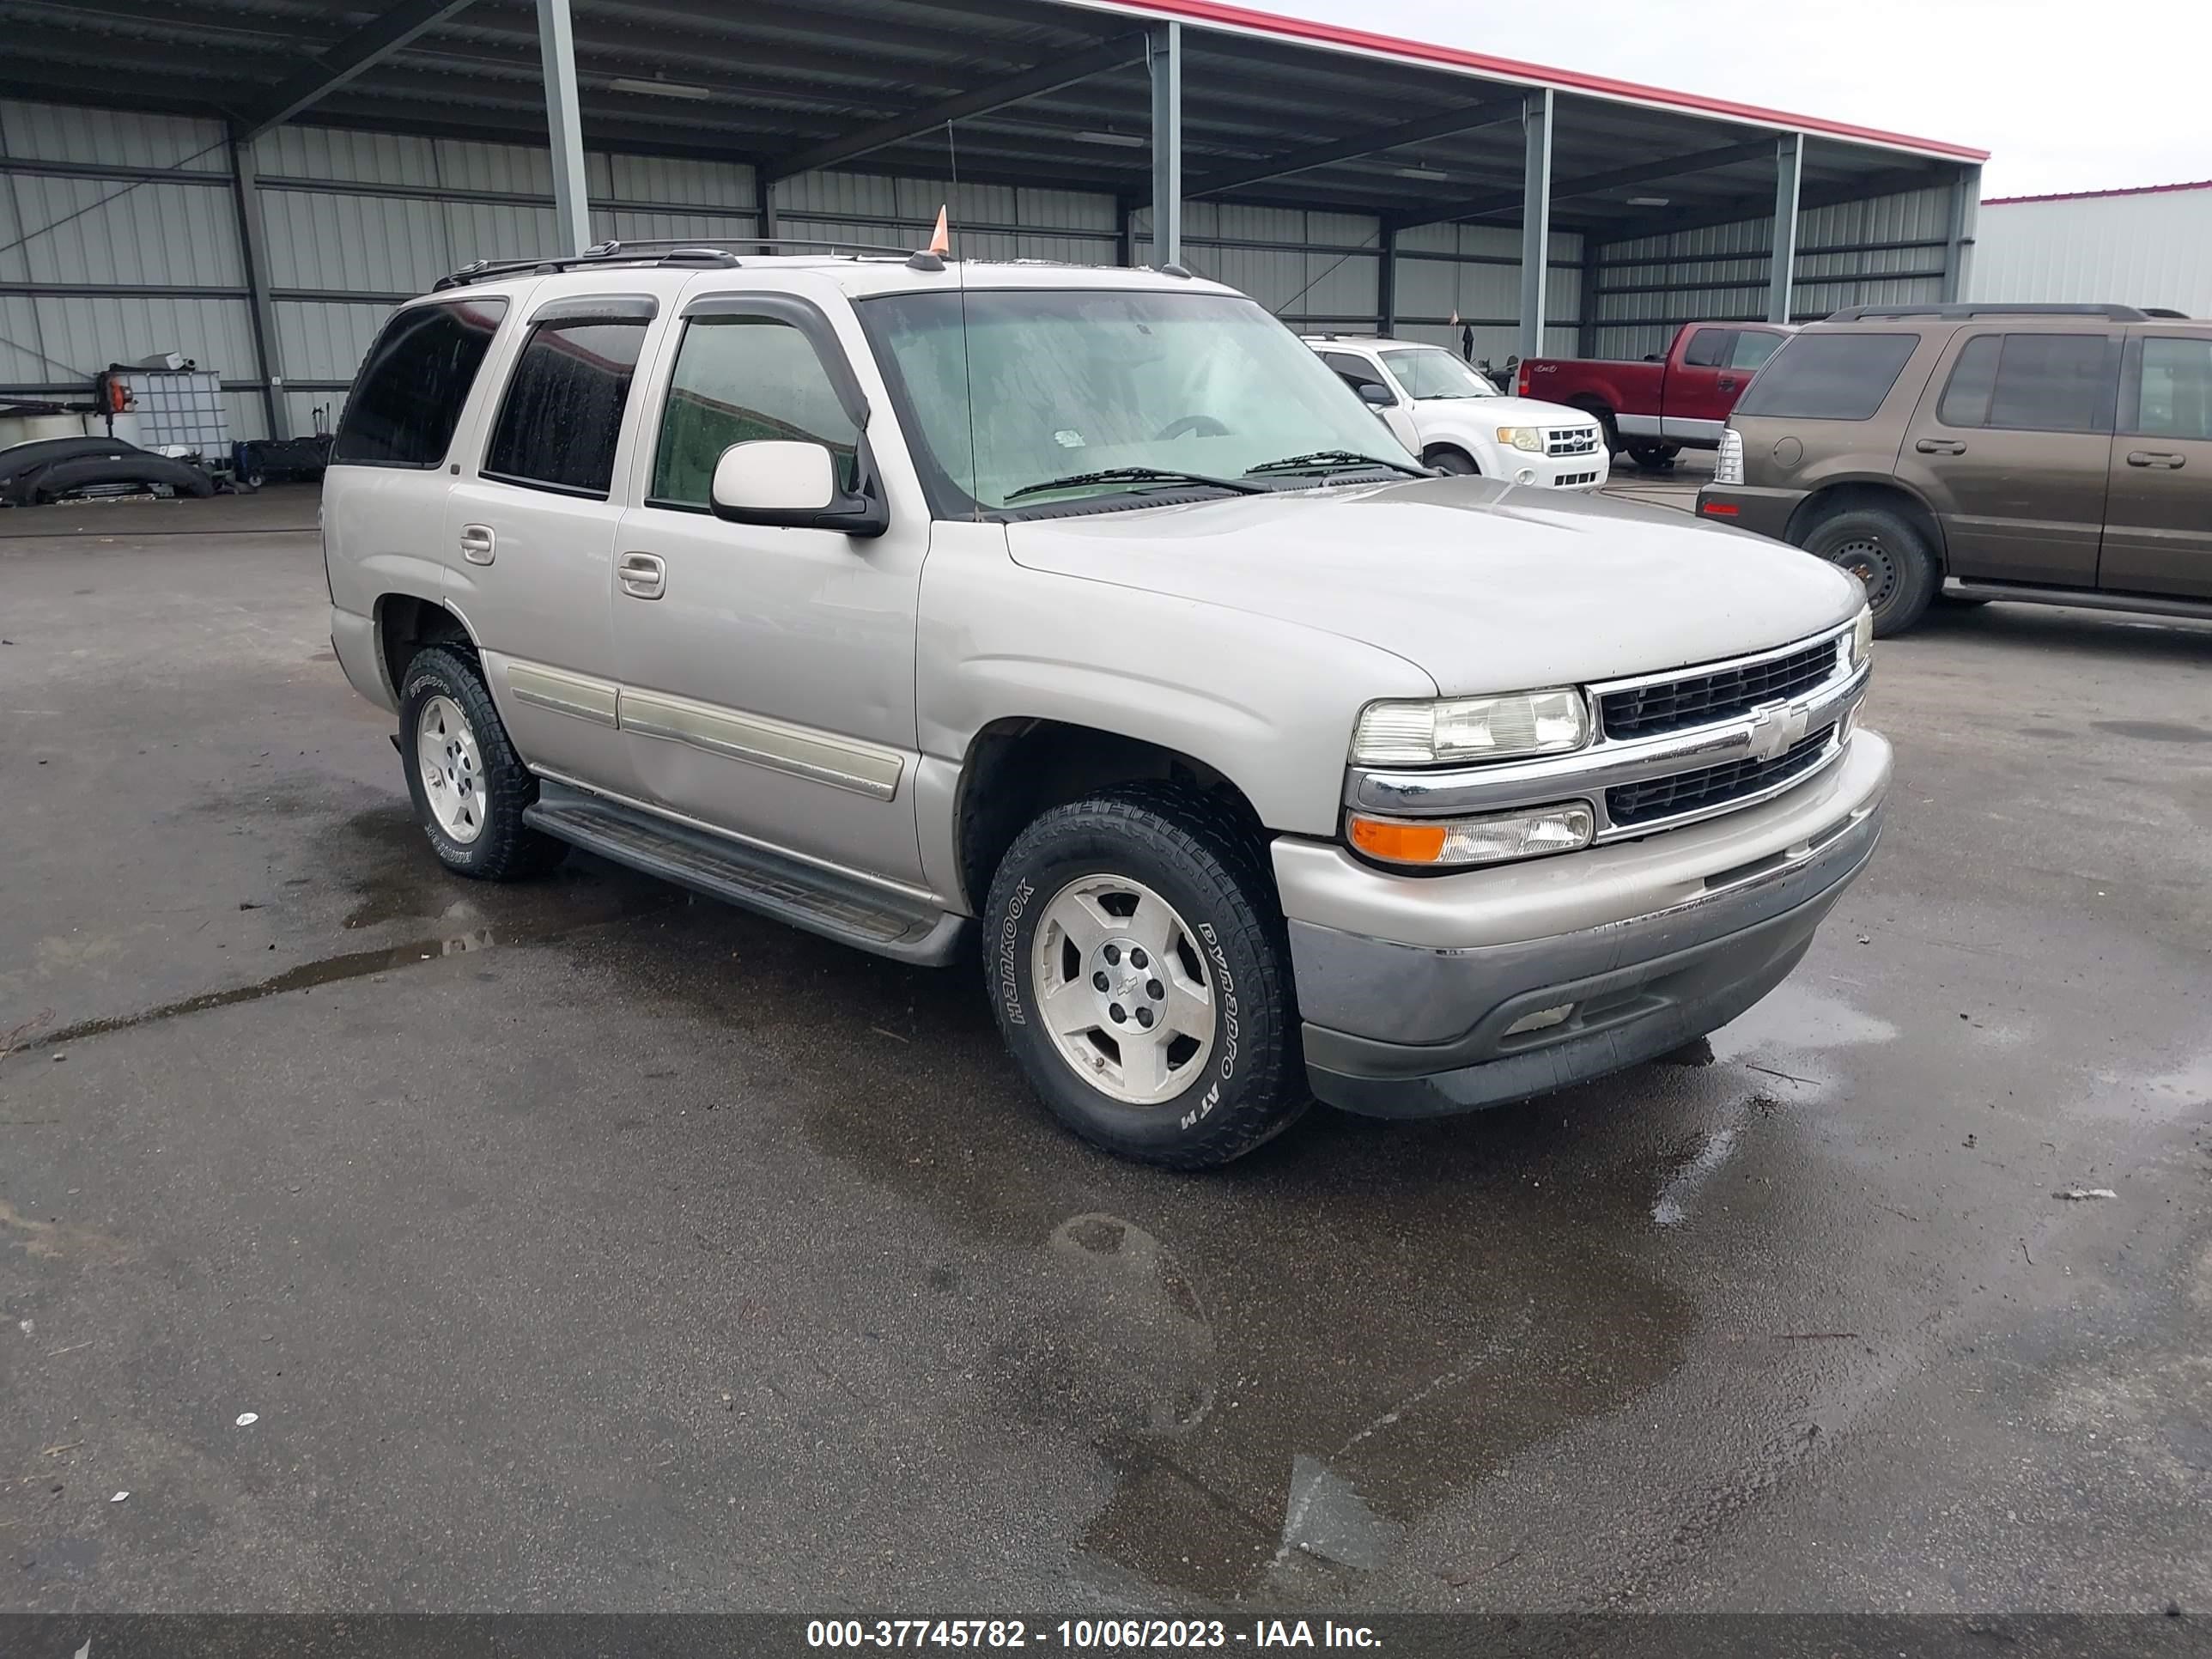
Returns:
(1607,427)
(1891,559)
(1211,1100)
(1456,462)
(447,725)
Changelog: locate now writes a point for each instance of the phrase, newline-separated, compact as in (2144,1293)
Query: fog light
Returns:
(1526,475)
(1541,1019)
(1444,843)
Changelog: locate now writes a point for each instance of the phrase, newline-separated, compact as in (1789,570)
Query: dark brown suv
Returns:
(2057,454)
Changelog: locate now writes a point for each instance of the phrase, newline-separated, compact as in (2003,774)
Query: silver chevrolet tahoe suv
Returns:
(1083,617)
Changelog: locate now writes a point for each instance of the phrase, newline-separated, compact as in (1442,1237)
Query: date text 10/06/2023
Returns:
(1085,1634)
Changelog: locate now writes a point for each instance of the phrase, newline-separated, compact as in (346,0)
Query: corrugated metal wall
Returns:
(2151,249)
(1888,251)
(95,269)
(1474,272)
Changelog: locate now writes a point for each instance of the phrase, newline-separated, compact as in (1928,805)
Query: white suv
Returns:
(1457,421)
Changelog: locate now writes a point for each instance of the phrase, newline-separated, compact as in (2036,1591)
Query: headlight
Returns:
(1471,728)
(1530,438)
(1861,636)
(1439,843)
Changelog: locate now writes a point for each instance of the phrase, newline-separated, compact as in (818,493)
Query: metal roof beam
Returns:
(135,53)
(365,47)
(1467,119)
(682,50)
(1866,187)
(1590,184)
(807,24)
(1045,77)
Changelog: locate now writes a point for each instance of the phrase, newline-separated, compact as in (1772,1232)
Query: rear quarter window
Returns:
(407,399)
(1829,377)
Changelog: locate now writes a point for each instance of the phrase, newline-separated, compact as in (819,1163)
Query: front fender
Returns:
(1268,704)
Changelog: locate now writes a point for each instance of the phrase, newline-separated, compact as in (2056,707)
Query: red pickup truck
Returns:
(1656,409)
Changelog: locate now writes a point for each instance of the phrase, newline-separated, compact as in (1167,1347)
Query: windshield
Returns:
(1057,383)
(1429,372)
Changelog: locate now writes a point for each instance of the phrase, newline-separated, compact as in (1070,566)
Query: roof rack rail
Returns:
(679,250)
(1863,313)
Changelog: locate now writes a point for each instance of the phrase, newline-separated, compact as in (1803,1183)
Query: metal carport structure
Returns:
(1350,180)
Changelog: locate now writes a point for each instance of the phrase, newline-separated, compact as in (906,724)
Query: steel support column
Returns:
(564,129)
(1782,272)
(1125,232)
(254,245)
(1163,57)
(1587,307)
(1535,217)
(764,209)
(1386,281)
(1958,239)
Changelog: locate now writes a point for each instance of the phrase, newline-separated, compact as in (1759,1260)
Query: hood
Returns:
(1486,586)
(1503,411)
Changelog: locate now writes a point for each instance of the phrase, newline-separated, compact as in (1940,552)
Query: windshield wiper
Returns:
(1326,461)
(1136,475)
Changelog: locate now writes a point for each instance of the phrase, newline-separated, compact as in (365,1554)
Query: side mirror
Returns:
(1376,395)
(794,486)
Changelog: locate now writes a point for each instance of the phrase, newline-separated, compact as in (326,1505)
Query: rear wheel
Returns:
(1891,559)
(468,784)
(1455,461)
(1138,969)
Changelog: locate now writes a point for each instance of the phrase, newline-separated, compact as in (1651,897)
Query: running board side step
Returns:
(835,906)
(2081,599)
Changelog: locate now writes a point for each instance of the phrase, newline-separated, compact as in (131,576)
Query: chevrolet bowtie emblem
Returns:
(1775,729)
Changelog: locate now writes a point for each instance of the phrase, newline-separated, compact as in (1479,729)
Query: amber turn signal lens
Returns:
(1450,843)
(1400,843)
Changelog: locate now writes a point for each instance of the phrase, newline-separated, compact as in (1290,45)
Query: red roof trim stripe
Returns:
(2094,195)
(1300,29)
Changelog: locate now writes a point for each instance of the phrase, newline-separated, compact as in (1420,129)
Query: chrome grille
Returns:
(1701,699)
(1713,785)
(1570,439)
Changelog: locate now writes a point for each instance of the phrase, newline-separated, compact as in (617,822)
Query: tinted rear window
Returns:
(407,399)
(564,408)
(2032,383)
(1708,348)
(1829,377)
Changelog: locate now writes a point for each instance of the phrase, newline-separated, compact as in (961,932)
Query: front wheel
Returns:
(1139,969)
(469,787)
(1454,461)
(1891,559)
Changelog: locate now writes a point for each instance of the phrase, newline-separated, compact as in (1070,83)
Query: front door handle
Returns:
(1940,447)
(477,542)
(643,575)
(2161,457)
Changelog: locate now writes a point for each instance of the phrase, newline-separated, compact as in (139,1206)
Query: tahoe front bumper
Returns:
(1410,987)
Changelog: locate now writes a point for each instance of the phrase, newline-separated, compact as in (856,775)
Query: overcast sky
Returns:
(2064,96)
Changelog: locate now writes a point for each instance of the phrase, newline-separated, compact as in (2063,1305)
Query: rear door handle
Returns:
(2161,457)
(1940,447)
(477,542)
(643,575)
(1727,383)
